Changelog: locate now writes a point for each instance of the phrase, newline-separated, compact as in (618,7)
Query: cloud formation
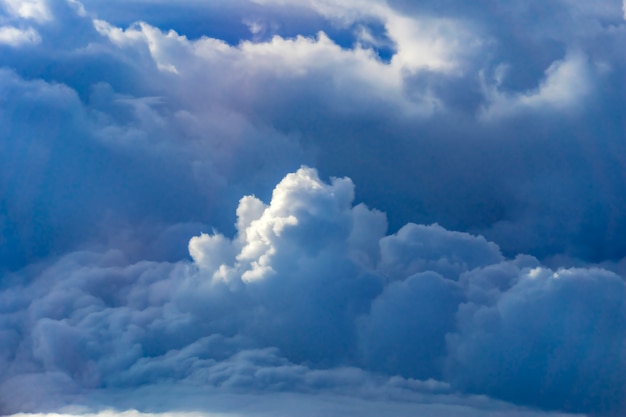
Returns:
(222,110)
(311,294)
(489,132)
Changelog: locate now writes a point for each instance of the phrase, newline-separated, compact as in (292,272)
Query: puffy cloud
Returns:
(550,333)
(123,144)
(405,330)
(276,61)
(304,299)
(13,36)
(300,259)
(417,248)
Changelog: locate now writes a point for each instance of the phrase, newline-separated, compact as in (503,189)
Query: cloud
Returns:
(551,332)
(311,296)
(420,42)
(278,60)
(565,86)
(448,253)
(36,10)
(405,330)
(15,37)
(240,113)
(133,274)
(288,404)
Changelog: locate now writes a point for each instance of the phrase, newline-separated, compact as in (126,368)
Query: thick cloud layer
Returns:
(490,133)
(312,295)
(498,119)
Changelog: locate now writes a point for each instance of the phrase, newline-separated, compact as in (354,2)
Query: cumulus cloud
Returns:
(131,266)
(279,60)
(310,295)
(544,332)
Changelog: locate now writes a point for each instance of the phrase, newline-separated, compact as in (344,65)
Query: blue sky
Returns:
(312,207)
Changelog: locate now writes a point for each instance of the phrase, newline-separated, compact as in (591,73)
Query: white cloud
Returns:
(566,84)
(422,42)
(354,77)
(16,37)
(434,44)
(318,213)
(29,9)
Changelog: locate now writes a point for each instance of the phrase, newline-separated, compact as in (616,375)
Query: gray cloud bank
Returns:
(125,148)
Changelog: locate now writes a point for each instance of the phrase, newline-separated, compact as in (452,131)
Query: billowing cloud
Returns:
(312,295)
(135,276)
(551,332)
